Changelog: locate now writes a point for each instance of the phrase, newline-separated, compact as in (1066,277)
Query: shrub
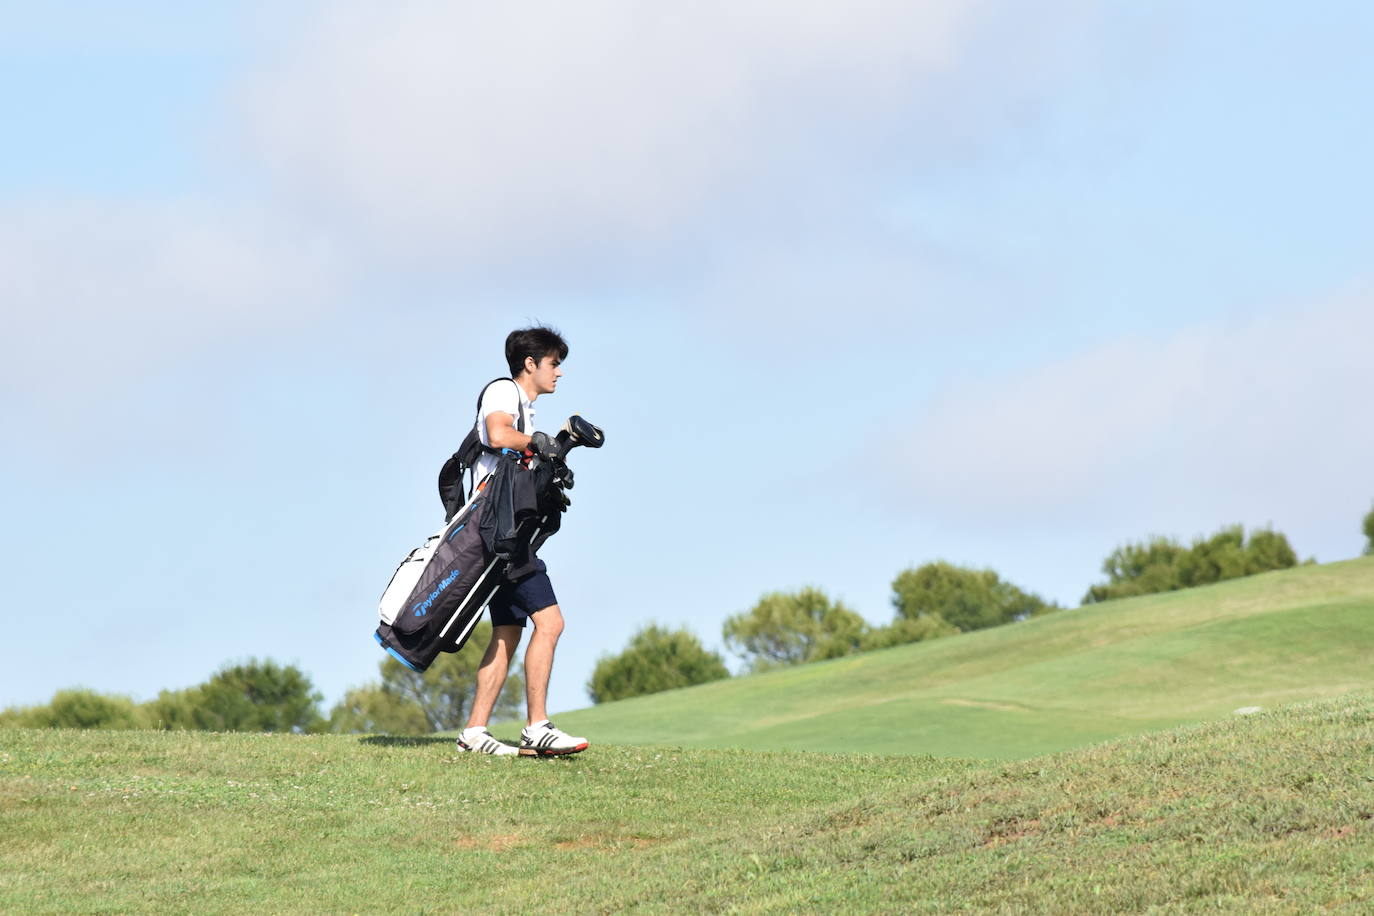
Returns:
(379,710)
(787,628)
(905,630)
(656,659)
(966,599)
(1162,565)
(253,696)
(77,708)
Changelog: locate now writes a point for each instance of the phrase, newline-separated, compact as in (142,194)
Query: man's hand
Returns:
(546,447)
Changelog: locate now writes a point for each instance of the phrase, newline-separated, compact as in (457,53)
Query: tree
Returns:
(1140,569)
(444,692)
(656,659)
(788,628)
(967,599)
(77,708)
(1268,549)
(175,709)
(905,630)
(1229,555)
(1369,533)
(375,709)
(252,696)
(1161,564)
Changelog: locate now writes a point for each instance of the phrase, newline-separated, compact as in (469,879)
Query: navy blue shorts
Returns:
(516,601)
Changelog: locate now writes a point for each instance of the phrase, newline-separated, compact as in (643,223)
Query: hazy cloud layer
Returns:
(461,128)
(101,293)
(1249,422)
(484,138)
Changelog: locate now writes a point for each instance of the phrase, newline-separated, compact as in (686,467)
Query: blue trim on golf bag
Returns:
(393,653)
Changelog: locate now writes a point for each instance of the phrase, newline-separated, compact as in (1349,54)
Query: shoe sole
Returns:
(554,752)
(465,749)
(485,754)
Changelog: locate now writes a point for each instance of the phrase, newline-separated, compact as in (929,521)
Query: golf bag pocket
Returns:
(406,577)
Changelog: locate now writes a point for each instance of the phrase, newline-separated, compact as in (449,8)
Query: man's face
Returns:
(545,374)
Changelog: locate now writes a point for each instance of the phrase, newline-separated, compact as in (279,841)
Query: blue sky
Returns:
(850,288)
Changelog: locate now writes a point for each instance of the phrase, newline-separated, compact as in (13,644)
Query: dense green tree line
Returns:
(783,628)
(259,696)
(264,696)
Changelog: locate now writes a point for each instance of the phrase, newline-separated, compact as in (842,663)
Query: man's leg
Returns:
(491,674)
(543,739)
(548,626)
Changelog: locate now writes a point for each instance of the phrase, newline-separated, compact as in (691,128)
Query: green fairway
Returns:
(1272,812)
(1060,681)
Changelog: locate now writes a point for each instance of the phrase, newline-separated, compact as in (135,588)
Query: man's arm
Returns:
(501,432)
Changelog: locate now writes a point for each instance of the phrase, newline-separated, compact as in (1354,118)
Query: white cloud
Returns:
(1254,422)
(465,128)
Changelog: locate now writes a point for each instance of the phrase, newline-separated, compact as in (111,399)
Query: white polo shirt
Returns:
(505,396)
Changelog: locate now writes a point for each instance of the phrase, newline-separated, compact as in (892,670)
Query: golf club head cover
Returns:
(545,447)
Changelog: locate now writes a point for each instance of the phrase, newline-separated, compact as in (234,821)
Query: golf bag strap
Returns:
(519,425)
(519,396)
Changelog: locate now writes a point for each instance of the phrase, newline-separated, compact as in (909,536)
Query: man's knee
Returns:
(548,622)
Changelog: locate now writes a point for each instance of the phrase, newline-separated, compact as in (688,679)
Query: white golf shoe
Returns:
(480,741)
(543,739)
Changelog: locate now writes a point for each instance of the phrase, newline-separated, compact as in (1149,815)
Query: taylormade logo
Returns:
(423,607)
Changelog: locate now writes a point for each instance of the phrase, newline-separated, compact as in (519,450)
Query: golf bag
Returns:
(439,591)
(436,596)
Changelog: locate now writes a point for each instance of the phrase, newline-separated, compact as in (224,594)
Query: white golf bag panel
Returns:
(406,577)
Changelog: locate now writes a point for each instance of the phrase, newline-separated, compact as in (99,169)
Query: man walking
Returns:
(535,357)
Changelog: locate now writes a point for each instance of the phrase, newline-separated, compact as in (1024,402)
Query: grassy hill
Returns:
(1266,812)
(1272,812)
(1061,681)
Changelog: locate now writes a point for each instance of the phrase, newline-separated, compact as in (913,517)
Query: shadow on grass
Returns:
(429,740)
(403,740)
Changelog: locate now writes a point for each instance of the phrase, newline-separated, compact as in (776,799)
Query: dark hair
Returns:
(536,342)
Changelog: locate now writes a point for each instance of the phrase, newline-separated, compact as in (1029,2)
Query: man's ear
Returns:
(531,364)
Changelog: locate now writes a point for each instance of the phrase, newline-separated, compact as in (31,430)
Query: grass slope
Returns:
(1273,812)
(1061,681)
